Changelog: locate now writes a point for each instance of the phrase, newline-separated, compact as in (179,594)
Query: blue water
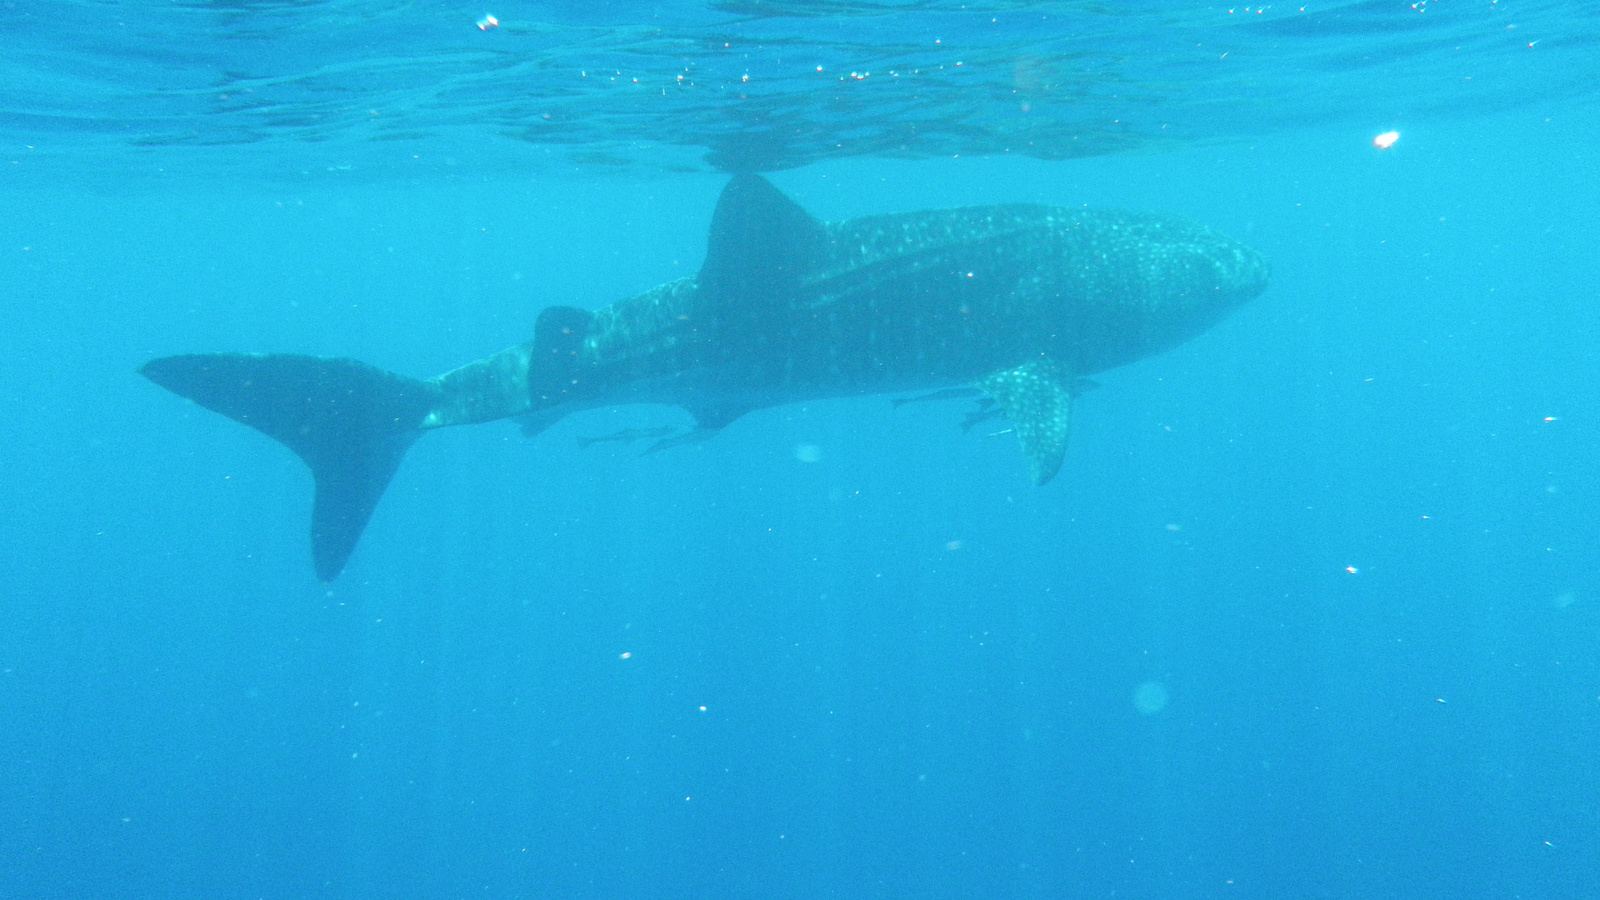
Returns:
(1313,609)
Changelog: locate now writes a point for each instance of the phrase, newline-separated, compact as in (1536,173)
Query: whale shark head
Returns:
(1193,267)
(1241,273)
(1144,284)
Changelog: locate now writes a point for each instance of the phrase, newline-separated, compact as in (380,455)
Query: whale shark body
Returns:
(1019,302)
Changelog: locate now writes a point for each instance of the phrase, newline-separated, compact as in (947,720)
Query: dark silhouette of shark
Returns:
(1019,302)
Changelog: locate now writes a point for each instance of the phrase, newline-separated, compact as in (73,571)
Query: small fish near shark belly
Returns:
(1015,304)
(627,436)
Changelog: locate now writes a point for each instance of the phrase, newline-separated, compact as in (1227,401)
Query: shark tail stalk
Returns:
(351,423)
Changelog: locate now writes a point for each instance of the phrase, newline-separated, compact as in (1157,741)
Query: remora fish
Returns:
(956,393)
(627,436)
(1017,301)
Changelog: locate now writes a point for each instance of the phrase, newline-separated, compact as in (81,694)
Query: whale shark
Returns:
(1019,303)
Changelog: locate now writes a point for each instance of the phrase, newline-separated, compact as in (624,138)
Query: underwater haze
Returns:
(1311,610)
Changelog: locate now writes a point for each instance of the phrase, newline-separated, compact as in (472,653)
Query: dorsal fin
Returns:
(761,245)
(553,364)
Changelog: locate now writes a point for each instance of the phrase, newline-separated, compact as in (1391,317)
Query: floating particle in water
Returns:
(1150,697)
(488,22)
(1386,140)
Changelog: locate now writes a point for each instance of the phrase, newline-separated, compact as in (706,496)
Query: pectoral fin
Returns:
(1037,397)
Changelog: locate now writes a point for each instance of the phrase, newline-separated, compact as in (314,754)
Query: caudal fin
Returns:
(350,422)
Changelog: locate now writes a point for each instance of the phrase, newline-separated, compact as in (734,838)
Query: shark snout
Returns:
(1242,272)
